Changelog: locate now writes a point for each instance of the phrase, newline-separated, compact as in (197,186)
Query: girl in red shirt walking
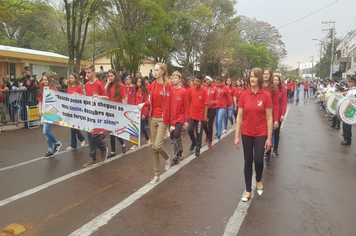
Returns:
(282,96)
(161,114)
(255,115)
(74,87)
(229,112)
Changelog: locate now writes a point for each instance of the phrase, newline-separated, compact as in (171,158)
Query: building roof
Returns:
(31,51)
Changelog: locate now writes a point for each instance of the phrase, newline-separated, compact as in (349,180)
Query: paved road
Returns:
(309,190)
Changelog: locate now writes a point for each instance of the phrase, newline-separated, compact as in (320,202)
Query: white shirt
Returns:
(351,92)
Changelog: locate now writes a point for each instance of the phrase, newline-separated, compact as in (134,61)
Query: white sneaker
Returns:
(225,131)
(154,181)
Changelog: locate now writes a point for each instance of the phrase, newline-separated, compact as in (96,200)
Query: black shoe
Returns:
(48,154)
(192,147)
(197,152)
(124,149)
(345,143)
(332,126)
(268,163)
(111,155)
(57,147)
(175,161)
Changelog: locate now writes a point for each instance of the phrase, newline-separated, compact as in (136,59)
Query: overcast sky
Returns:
(298,36)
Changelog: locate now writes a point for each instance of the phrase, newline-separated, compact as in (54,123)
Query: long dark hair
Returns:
(143,86)
(280,82)
(116,83)
(271,86)
(230,84)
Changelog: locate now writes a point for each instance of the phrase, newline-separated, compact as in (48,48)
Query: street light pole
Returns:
(321,44)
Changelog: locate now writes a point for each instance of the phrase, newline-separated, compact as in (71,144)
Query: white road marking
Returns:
(233,225)
(61,179)
(106,216)
(36,159)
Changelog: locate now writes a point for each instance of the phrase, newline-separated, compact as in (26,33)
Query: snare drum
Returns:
(332,101)
(346,110)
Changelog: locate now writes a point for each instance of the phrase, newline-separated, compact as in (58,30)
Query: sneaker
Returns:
(268,163)
(275,153)
(268,159)
(167,166)
(219,138)
(154,181)
(148,142)
(192,147)
(224,131)
(48,154)
(57,147)
(181,157)
(82,143)
(90,163)
(197,152)
(124,150)
(133,147)
(104,154)
(175,161)
(210,144)
(206,139)
(112,155)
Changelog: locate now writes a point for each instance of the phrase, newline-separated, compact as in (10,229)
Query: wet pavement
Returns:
(309,190)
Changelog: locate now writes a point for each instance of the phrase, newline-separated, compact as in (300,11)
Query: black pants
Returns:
(208,127)
(306,93)
(253,145)
(112,142)
(336,122)
(276,136)
(346,129)
(176,140)
(95,141)
(198,125)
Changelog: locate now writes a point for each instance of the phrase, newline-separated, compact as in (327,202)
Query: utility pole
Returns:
(332,45)
(312,70)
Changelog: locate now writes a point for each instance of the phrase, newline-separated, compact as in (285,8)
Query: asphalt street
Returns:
(308,190)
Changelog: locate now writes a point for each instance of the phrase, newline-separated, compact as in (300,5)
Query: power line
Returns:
(309,14)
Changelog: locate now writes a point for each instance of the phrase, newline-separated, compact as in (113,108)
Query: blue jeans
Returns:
(220,113)
(74,134)
(297,93)
(50,138)
(143,128)
(229,115)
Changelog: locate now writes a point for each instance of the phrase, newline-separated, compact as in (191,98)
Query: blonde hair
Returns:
(177,73)
(163,67)
(90,67)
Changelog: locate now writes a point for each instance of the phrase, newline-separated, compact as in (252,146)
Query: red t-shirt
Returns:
(41,97)
(112,93)
(130,91)
(188,88)
(95,88)
(254,121)
(306,86)
(238,92)
(289,86)
(77,89)
(212,93)
(197,98)
(157,105)
(180,103)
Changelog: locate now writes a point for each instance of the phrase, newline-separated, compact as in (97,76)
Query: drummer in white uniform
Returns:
(346,129)
(336,122)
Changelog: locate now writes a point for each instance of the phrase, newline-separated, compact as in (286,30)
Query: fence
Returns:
(13,108)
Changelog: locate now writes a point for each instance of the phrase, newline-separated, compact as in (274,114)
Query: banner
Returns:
(94,115)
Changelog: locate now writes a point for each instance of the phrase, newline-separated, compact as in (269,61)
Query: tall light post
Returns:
(321,44)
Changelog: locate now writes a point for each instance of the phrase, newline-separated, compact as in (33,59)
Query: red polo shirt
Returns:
(238,92)
(254,121)
(180,103)
(95,88)
(197,98)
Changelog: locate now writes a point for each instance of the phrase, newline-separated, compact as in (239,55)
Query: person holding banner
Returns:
(117,93)
(161,114)
(74,87)
(53,145)
(94,88)
(141,96)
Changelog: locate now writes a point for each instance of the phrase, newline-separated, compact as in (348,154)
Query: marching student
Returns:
(224,104)
(306,89)
(130,90)
(214,99)
(161,114)
(282,96)
(74,87)
(289,89)
(181,111)
(269,86)
(335,121)
(94,88)
(229,112)
(53,145)
(198,100)
(255,115)
(141,96)
(346,128)
(117,93)
(238,91)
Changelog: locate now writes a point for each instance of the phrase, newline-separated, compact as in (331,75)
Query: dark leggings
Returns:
(276,136)
(143,128)
(112,142)
(253,145)
(177,131)
(208,127)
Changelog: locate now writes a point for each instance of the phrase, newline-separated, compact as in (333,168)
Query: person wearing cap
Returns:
(346,128)
(213,99)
